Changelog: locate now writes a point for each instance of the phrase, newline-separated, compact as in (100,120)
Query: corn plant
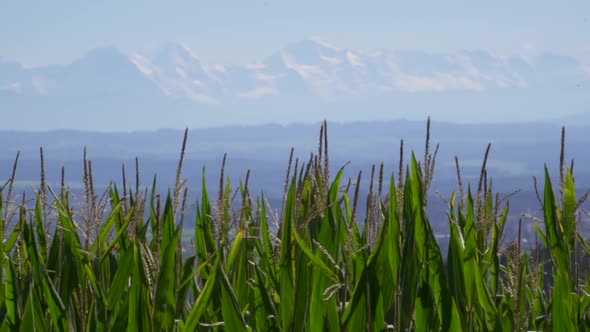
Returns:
(120,262)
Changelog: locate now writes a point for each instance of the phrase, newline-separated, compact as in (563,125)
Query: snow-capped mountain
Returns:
(307,71)
(312,65)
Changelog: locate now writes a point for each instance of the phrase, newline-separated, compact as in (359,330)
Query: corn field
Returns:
(117,261)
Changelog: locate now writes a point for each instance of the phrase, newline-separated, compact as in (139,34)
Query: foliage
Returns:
(122,265)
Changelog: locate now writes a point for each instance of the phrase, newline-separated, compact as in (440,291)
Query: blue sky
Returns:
(41,32)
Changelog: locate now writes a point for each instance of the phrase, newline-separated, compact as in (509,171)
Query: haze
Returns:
(197,64)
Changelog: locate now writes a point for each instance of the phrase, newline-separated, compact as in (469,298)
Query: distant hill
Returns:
(518,150)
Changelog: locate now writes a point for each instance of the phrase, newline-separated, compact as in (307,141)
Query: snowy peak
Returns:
(311,68)
(316,52)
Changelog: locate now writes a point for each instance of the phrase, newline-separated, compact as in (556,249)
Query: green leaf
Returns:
(286,280)
(315,259)
(203,301)
(165,303)
(230,308)
(11,297)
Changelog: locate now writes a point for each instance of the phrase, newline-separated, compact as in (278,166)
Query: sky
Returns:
(43,32)
(38,33)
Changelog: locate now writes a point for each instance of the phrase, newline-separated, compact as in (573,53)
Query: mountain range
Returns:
(107,89)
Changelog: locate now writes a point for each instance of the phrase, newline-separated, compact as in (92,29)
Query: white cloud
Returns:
(586,70)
